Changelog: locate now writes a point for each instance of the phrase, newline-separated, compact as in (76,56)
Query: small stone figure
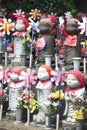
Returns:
(21,29)
(75,86)
(43,87)
(16,86)
(72,42)
(46,42)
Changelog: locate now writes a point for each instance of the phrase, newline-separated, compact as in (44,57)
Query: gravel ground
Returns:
(5,125)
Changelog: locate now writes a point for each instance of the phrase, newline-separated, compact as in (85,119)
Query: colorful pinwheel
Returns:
(28,77)
(35,14)
(33,25)
(53,17)
(3,74)
(82,25)
(19,13)
(6,41)
(59,76)
(6,26)
(68,15)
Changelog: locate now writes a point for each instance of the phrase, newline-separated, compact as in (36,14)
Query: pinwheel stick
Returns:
(5,45)
(30,65)
(5,58)
(85,55)
(58,111)
(56,58)
(1,105)
(28,111)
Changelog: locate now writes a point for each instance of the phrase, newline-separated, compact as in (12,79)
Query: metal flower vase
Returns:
(23,59)
(19,115)
(76,62)
(48,59)
(79,124)
(48,121)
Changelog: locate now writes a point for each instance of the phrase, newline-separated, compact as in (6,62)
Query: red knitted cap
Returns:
(48,68)
(79,75)
(17,70)
(25,21)
(47,20)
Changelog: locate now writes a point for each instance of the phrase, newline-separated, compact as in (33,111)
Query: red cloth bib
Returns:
(70,40)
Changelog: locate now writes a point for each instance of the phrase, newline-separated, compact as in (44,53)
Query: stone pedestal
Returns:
(80,124)
(68,125)
(16,61)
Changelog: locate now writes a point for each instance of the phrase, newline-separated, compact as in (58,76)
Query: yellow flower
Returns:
(32,104)
(78,114)
(57,94)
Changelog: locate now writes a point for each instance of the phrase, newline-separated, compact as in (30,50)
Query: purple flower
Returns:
(47,102)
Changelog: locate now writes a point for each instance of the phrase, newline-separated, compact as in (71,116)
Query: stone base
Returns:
(17,122)
(11,116)
(16,61)
(69,125)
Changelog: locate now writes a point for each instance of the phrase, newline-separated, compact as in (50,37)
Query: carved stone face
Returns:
(20,26)
(45,28)
(14,77)
(72,81)
(71,27)
(43,74)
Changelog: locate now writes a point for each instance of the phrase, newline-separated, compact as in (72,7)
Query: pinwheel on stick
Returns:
(6,27)
(59,78)
(34,23)
(28,78)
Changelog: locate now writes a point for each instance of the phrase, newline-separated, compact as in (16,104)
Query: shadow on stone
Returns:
(2,129)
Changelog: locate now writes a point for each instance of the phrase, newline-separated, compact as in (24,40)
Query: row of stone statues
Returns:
(45,43)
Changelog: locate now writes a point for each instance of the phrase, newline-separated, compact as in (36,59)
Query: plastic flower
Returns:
(47,106)
(78,114)
(51,103)
(57,94)
(26,42)
(80,107)
(25,98)
(29,101)
(32,105)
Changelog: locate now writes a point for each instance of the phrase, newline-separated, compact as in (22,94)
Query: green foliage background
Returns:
(45,6)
